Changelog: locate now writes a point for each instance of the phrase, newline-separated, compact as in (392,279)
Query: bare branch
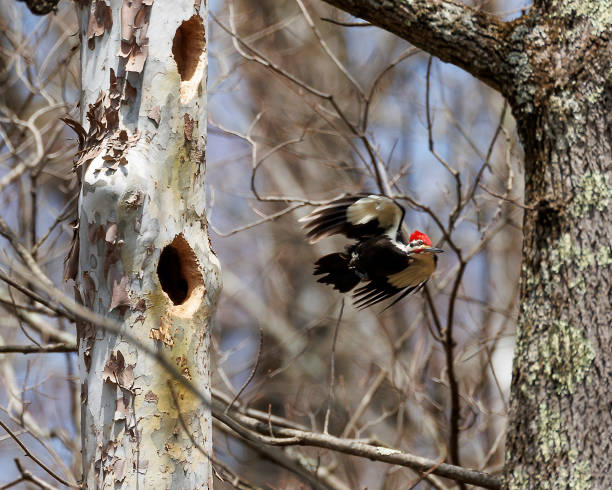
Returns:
(471,39)
(35,349)
(28,476)
(32,457)
(253,430)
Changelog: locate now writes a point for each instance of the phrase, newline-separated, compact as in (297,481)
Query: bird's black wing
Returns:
(358,216)
(376,291)
(411,278)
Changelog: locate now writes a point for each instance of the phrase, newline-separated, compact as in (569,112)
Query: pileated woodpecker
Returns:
(380,257)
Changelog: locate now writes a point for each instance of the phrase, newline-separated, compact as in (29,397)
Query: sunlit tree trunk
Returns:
(560,418)
(144,258)
(554,67)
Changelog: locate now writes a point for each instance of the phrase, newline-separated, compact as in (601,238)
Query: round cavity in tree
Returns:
(179,275)
(189,51)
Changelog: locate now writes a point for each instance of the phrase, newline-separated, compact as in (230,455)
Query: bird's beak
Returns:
(433,250)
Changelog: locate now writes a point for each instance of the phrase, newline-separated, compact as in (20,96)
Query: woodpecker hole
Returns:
(180,278)
(188,49)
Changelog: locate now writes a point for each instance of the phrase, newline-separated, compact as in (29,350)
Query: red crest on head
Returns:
(417,235)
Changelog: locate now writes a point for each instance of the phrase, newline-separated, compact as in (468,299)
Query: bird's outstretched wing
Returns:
(407,280)
(376,291)
(359,216)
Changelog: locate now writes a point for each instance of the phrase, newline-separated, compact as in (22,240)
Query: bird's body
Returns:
(379,257)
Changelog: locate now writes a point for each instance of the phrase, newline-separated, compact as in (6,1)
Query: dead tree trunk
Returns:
(144,257)
(554,66)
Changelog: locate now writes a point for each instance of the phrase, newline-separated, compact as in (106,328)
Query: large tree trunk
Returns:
(561,418)
(554,66)
(145,258)
(560,429)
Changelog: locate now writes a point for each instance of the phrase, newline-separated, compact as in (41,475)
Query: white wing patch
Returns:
(419,270)
(373,207)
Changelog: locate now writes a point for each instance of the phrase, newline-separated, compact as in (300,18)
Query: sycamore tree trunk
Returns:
(554,66)
(144,258)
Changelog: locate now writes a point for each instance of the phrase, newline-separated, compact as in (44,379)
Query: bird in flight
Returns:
(379,257)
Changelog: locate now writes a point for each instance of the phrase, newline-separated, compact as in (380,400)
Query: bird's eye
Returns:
(420,242)
(413,243)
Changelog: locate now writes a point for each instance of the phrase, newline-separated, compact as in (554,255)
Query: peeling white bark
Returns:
(142,200)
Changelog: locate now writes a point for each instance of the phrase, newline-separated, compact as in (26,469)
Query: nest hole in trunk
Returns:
(178,271)
(188,50)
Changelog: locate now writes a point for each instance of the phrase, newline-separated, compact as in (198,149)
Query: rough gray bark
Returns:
(144,256)
(554,67)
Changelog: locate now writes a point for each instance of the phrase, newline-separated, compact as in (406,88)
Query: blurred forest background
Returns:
(305,104)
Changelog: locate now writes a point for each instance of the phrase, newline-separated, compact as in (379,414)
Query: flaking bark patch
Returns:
(154,114)
(100,21)
(116,371)
(120,297)
(135,17)
(163,333)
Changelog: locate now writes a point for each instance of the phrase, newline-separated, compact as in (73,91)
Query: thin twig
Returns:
(504,198)
(31,294)
(487,161)
(253,371)
(12,483)
(258,414)
(425,474)
(365,401)
(332,370)
(265,219)
(449,343)
(318,477)
(327,50)
(34,458)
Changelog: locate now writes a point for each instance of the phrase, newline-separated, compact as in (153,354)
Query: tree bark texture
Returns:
(144,257)
(554,66)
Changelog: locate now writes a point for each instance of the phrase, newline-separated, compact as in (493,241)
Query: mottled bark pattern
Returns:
(560,432)
(144,257)
(554,66)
